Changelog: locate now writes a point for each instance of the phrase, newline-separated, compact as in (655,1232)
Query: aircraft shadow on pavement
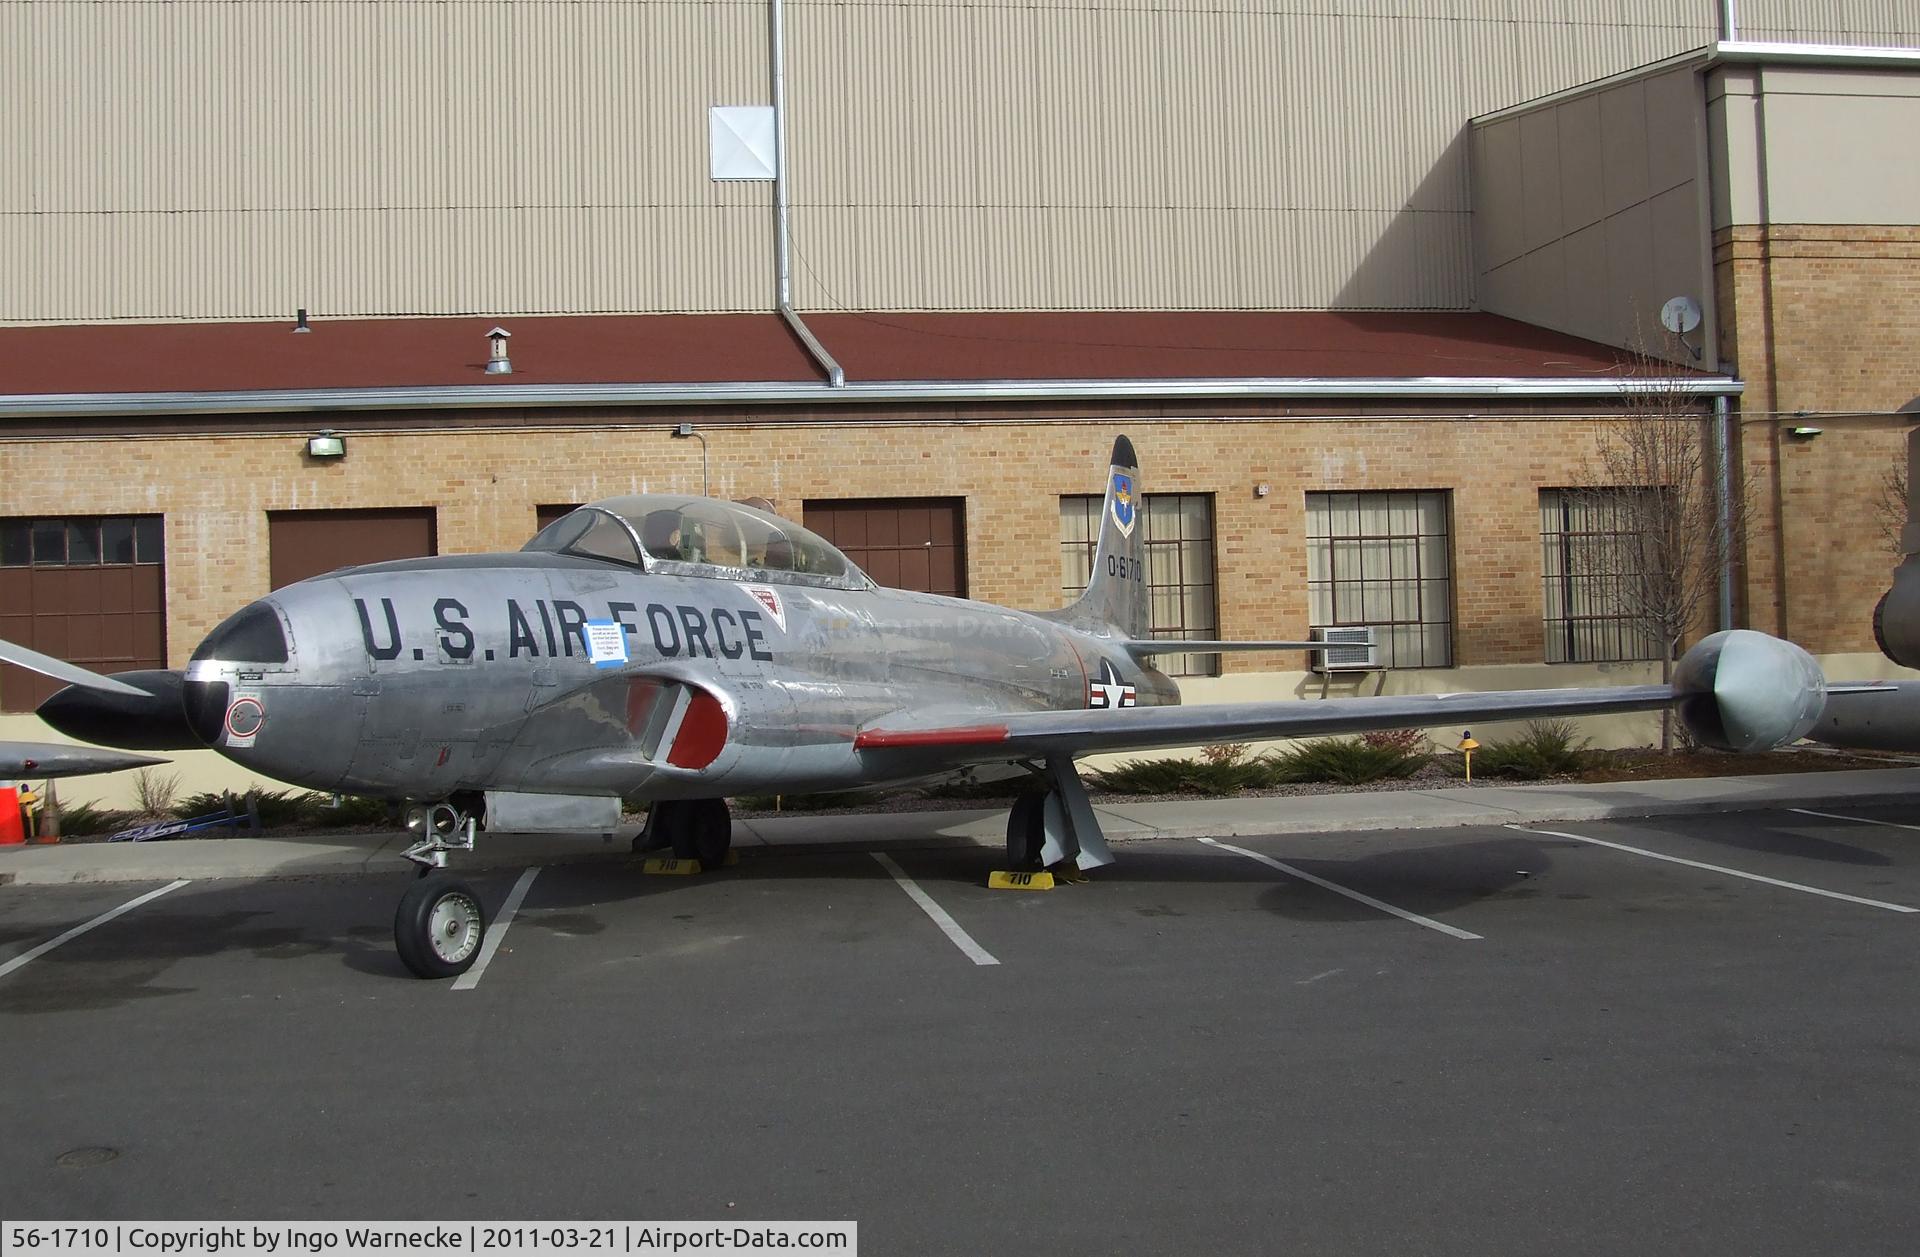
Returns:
(1727,832)
(1428,880)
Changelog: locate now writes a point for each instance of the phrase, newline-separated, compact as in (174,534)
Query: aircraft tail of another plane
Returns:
(1117,593)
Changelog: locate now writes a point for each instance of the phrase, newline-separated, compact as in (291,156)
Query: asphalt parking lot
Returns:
(1686,1035)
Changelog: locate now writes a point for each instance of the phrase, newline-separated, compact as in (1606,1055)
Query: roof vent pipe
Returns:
(782,232)
(497,361)
(300,324)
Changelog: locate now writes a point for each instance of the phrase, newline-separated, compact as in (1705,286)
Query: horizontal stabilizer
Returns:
(1194,646)
(61,670)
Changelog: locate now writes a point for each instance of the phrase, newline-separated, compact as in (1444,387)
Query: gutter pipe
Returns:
(1723,460)
(782,213)
(784,393)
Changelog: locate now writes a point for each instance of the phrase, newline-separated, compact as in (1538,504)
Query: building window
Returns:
(1179,534)
(89,590)
(1381,559)
(1590,549)
(904,543)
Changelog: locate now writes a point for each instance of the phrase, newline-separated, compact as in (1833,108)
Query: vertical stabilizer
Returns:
(1117,594)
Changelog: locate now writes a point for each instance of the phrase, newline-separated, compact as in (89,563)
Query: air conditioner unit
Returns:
(1349,648)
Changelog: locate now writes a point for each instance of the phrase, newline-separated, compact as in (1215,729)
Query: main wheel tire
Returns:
(663,822)
(712,831)
(439,927)
(1027,832)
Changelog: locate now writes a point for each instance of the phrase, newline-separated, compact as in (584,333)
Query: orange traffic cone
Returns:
(12,832)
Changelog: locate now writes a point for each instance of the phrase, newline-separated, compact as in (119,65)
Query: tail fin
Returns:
(1117,593)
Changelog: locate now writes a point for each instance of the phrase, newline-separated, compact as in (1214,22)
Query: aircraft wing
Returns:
(37,760)
(1037,734)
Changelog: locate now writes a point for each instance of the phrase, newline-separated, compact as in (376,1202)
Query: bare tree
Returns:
(1654,479)
(1890,505)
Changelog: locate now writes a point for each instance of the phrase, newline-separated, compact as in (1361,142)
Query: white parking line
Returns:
(1354,895)
(1862,820)
(78,930)
(948,926)
(496,931)
(1719,868)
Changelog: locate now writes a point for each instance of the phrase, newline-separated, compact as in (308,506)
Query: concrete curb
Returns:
(1449,808)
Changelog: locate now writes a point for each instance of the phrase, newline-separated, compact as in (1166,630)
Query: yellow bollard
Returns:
(1467,747)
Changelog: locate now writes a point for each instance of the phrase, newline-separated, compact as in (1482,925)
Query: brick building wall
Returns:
(215,492)
(1825,320)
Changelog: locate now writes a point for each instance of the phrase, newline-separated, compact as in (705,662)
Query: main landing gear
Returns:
(1053,827)
(696,829)
(441,923)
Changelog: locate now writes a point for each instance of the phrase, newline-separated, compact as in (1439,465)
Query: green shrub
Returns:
(1546,748)
(1347,761)
(1215,776)
(966,790)
(359,809)
(81,820)
(205,803)
(807,802)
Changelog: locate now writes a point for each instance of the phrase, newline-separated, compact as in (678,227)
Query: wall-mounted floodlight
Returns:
(1804,431)
(686,429)
(497,361)
(329,444)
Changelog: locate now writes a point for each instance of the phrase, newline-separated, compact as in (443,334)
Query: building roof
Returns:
(413,363)
(717,348)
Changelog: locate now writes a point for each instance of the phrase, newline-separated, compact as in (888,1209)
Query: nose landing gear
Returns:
(441,923)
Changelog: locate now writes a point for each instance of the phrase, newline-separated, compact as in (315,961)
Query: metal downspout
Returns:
(1723,460)
(782,234)
(1729,22)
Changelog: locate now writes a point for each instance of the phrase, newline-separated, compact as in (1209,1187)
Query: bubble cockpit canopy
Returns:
(690,536)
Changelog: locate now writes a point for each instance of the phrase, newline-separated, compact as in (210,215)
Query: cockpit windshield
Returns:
(699,537)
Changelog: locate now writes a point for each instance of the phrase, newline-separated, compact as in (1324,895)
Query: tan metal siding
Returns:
(1157,155)
(1876,23)
(209,159)
(196,160)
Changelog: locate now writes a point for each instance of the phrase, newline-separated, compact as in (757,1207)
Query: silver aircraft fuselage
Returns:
(423,678)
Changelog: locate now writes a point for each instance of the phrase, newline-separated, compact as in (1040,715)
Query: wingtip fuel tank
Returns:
(1741,690)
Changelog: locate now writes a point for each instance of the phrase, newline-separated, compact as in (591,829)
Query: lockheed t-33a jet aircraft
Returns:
(685,650)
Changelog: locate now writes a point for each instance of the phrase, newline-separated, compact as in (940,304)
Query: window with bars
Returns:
(1590,542)
(1180,582)
(1383,559)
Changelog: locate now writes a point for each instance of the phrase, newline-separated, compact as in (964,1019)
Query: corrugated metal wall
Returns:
(209,159)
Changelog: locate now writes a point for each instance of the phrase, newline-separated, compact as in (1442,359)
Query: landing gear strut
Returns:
(696,829)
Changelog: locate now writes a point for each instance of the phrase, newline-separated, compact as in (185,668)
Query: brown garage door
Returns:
(908,543)
(309,543)
(88,590)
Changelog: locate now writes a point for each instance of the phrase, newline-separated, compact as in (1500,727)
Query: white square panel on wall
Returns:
(743,141)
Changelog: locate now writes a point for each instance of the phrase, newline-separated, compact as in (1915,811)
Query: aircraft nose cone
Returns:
(206,705)
(251,637)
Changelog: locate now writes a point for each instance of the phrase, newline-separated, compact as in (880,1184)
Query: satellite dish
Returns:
(1680,315)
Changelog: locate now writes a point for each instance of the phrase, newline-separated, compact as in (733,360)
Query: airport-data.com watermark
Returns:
(391,1239)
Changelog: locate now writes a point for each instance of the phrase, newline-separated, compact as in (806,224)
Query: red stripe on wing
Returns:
(960,735)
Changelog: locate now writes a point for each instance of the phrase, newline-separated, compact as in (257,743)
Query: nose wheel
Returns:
(439,927)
